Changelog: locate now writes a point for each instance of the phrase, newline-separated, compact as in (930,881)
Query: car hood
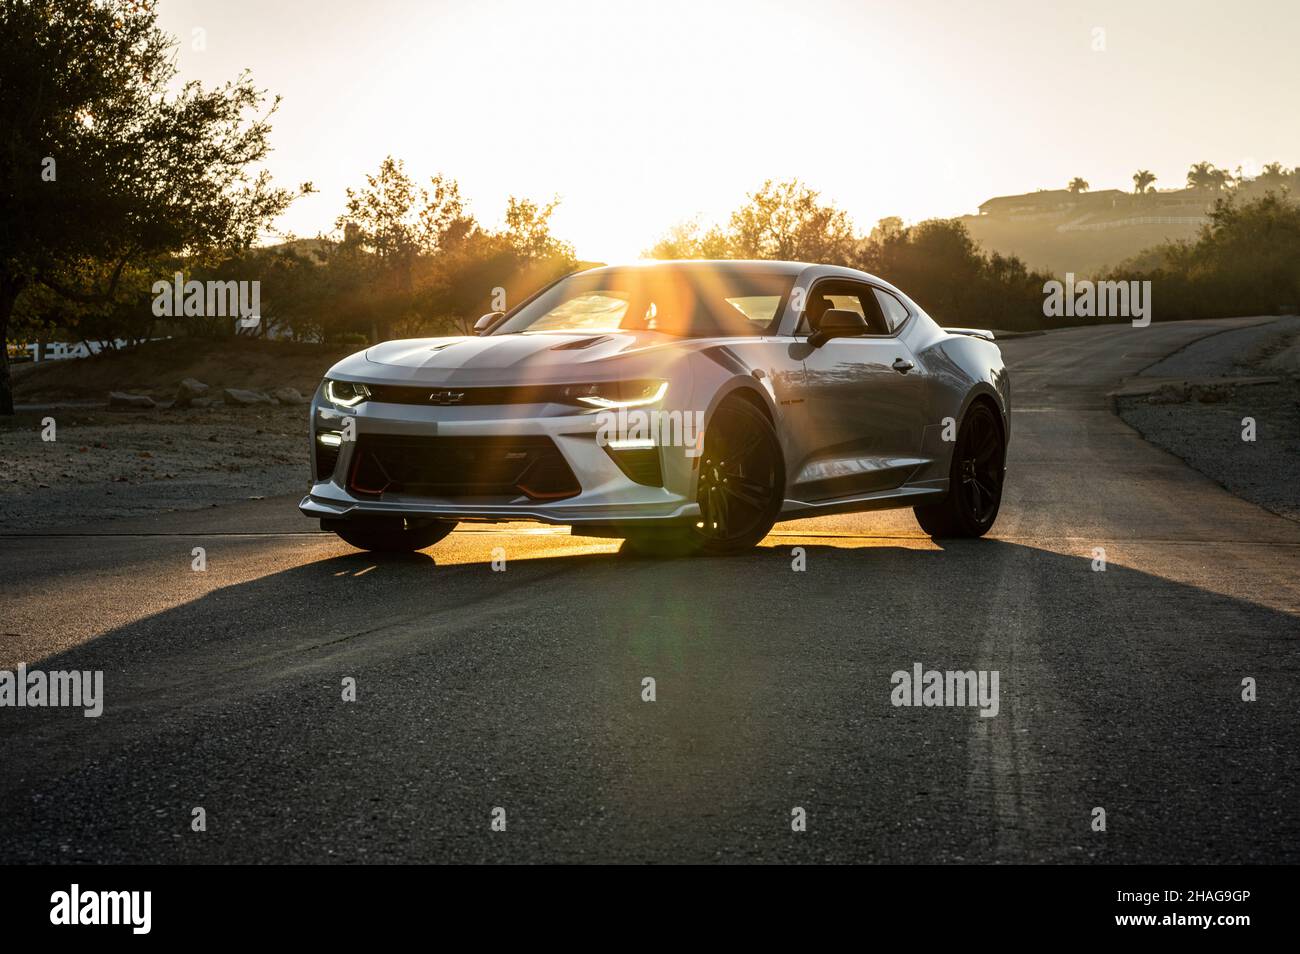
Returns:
(538,357)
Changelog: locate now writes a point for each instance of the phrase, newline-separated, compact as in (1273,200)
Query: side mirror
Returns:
(838,323)
(488,322)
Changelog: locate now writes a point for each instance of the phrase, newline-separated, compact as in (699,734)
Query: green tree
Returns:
(888,229)
(393,233)
(690,240)
(412,260)
(939,265)
(784,221)
(937,261)
(528,231)
(787,221)
(444,220)
(1243,262)
(1078,185)
(382,226)
(104,166)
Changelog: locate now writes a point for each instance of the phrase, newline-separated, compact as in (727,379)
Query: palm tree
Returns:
(1273,175)
(1198,176)
(1204,175)
(1078,185)
(1142,180)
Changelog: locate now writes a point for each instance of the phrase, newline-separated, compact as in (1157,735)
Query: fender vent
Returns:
(580,343)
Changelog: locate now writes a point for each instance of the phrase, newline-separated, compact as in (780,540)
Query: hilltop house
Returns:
(1048,202)
(1059,230)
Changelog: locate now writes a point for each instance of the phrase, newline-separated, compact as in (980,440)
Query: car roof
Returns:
(703,265)
(737,266)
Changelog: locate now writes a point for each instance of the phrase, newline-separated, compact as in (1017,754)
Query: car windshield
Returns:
(690,303)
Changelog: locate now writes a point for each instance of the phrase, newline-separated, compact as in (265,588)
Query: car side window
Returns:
(894,310)
(847,303)
(845,295)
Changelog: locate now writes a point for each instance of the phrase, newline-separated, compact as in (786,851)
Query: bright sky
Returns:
(639,115)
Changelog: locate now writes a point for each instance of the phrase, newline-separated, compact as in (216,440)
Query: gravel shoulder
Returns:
(104,465)
(106,462)
(1211,436)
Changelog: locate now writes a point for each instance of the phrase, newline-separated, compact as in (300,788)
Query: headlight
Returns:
(346,393)
(616,394)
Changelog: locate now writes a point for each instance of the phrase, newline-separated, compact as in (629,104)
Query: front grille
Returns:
(450,396)
(468,397)
(461,467)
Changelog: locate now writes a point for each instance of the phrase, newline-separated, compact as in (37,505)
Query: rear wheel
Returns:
(390,534)
(740,489)
(974,480)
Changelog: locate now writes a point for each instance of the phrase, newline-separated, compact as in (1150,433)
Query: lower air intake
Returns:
(450,467)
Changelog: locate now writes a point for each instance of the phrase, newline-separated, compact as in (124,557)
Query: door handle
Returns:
(902,365)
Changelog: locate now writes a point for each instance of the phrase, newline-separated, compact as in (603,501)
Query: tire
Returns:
(389,534)
(974,480)
(740,489)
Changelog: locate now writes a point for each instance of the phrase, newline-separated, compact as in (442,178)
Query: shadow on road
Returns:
(525,689)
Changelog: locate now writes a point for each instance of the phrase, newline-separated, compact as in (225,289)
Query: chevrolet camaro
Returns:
(683,406)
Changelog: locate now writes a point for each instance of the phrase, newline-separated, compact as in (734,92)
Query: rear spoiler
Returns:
(973,332)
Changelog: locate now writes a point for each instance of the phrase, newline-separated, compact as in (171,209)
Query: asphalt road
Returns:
(522,689)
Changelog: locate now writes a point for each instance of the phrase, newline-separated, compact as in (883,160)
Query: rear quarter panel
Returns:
(960,369)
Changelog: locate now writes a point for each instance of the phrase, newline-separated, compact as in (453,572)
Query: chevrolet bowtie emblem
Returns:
(446,397)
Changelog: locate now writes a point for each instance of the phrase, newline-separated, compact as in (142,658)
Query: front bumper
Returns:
(606,495)
(332,508)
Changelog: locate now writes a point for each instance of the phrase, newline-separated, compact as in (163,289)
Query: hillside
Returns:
(1060,232)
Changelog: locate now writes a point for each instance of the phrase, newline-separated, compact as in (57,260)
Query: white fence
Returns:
(65,350)
(1136,220)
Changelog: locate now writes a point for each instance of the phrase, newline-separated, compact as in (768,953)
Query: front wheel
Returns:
(390,534)
(974,480)
(740,489)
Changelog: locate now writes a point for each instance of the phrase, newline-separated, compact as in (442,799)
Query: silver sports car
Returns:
(684,406)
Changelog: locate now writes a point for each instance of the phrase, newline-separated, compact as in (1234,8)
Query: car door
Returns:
(863,400)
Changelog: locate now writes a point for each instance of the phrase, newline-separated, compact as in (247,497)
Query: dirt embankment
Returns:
(107,464)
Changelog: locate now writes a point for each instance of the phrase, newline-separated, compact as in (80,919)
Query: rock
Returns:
(241,398)
(1210,393)
(188,390)
(1168,394)
(123,399)
(203,402)
(288,396)
(1286,361)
